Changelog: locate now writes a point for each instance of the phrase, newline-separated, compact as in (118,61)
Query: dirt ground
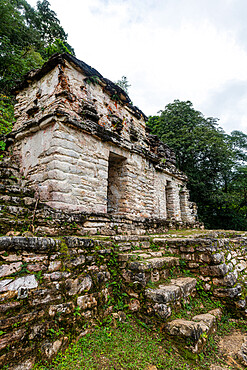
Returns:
(229,346)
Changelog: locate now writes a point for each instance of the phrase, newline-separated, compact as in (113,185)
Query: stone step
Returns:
(175,290)
(153,263)
(168,296)
(195,332)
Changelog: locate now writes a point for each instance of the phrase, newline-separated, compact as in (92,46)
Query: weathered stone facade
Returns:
(84,148)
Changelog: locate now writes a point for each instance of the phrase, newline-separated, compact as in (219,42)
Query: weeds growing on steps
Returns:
(128,346)
(134,345)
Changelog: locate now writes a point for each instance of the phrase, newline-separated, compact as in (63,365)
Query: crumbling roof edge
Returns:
(110,87)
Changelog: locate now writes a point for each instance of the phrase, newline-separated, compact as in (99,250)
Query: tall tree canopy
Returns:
(216,163)
(28,37)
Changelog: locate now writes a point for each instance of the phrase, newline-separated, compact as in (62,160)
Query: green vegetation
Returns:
(215,163)
(195,306)
(127,346)
(124,84)
(55,333)
(118,296)
(28,37)
(6,117)
(132,345)
(154,247)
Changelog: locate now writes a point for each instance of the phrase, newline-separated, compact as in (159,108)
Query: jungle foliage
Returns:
(28,37)
(215,163)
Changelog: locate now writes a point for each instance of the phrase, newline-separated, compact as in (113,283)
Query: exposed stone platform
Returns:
(64,284)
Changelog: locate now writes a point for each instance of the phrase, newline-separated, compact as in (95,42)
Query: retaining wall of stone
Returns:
(52,288)
(220,263)
(48,288)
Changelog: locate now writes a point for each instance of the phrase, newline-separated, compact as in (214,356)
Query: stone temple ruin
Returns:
(84,148)
(86,198)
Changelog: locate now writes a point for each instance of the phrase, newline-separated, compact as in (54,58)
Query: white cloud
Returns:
(168,49)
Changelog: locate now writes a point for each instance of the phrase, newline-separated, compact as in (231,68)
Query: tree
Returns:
(27,37)
(210,158)
(124,84)
(58,46)
(6,117)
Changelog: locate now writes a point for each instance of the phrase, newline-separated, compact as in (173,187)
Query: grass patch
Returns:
(126,347)
(229,323)
(134,346)
(195,306)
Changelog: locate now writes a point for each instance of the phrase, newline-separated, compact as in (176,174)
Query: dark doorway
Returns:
(116,190)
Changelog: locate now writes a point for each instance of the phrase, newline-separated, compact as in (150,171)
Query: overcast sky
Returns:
(169,49)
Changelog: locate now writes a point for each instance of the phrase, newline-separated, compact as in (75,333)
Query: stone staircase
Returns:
(150,266)
(153,273)
(166,272)
(69,281)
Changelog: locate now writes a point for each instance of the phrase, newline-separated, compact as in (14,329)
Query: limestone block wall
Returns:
(75,171)
(20,211)
(37,100)
(48,288)
(52,287)
(112,115)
